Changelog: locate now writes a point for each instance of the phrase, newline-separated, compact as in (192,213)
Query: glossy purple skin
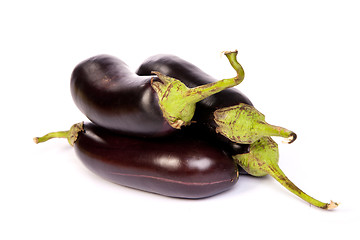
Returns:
(192,76)
(110,95)
(181,166)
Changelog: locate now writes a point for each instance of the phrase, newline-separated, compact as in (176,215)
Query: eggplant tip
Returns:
(36,140)
(332,205)
(291,138)
(228,52)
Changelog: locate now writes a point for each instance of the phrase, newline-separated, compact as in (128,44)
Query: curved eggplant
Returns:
(112,96)
(229,113)
(180,165)
(108,102)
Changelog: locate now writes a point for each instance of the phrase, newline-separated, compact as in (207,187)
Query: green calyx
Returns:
(177,101)
(71,135)
(244,124)
(263,153)
(263,158)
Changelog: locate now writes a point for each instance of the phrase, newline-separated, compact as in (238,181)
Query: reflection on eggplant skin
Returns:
(95,138)
(146,99)
(200,164)
(174,163)
(170,162)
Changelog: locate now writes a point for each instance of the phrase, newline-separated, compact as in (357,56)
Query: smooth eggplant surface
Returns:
(192,76)
(112,96)
(180,165)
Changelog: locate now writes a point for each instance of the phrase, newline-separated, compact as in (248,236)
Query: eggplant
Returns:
(228,114)
(112,96)
(231,117)
(181,165)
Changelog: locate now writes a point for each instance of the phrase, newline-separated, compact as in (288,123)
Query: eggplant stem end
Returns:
(332,205)
(290,139)
(229,52)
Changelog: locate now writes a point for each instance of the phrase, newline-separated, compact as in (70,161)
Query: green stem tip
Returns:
(71,134)
(244,124)
(263,159)
(177,101)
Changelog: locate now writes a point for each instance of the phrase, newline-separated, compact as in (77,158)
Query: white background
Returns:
(301,60)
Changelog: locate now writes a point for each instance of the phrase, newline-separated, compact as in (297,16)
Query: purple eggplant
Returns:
(112,96)
(181,165)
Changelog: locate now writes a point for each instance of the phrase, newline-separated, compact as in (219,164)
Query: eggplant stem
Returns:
(244,124)
(201,92)
(279,176)
(232,57)
(263,158)
(60,134)
(71,135)
(276,131)
(177,101)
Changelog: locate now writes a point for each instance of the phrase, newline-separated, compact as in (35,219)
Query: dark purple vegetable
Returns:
(229,113)
(180,165)
(112,96)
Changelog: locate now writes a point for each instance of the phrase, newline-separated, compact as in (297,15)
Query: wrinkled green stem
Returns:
(71,135)
(61,134)
(279,175)
(177,101)
(201,92)
(266,129)
(231,56)
(244,124)
(263,159)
